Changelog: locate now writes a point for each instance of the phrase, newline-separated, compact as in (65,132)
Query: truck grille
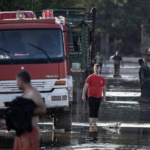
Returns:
(40,85)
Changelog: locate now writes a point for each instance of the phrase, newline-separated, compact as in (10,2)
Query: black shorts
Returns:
(94,104)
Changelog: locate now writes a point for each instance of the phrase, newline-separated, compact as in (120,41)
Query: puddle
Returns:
(136,138)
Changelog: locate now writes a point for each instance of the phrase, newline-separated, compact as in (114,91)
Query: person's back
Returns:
(31,139)
(99,59)
(145,70)
(35,96)
(144,73)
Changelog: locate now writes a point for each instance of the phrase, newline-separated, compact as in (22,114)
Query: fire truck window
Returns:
(3,43)
(16,45)
(45,42)
(25,43)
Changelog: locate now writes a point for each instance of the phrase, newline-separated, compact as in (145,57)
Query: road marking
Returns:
(103,146)
(123,102)
(124,125)
(123,94)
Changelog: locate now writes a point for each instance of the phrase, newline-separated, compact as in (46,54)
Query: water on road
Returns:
(121,106)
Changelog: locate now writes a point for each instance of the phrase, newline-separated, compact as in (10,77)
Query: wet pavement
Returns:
(121,106)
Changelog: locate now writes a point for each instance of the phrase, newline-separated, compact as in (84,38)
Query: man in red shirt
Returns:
(96,85)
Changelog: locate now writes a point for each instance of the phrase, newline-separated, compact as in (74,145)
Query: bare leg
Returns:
(95,127)
(95,120)
(91,121)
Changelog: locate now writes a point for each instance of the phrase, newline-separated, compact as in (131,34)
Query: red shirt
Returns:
(95,85)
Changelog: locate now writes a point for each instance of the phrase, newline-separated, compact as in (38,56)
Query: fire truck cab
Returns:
(39,46)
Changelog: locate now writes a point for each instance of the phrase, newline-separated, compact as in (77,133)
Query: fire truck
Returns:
(56,47)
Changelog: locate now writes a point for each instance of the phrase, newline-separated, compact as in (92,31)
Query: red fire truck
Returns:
(40,46)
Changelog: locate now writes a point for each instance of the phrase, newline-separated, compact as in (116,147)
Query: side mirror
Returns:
(76,41)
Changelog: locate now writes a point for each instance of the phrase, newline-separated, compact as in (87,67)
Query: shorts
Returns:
(94,104)
(28,140)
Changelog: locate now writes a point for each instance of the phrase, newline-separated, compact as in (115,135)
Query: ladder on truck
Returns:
(83,22)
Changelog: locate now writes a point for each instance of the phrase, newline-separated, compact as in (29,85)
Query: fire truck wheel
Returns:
(63,120)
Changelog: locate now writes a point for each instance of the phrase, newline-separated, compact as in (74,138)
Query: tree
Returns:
(122,19)
(10,5)
(55,4)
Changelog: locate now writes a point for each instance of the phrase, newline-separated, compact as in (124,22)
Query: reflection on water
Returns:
(123,85)
(128,138)
(115,111)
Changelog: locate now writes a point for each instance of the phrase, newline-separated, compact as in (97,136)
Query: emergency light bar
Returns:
(13,15)
(47,14)
(20,16)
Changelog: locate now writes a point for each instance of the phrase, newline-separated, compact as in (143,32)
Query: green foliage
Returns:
(10,5)
(55,4)
(122,19)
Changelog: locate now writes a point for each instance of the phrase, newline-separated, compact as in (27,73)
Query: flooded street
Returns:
(121,106)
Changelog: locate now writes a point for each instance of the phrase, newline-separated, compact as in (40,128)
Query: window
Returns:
(31,45)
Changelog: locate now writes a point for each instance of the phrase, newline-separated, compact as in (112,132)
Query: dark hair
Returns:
(96,65)
(24,76)
(141,61)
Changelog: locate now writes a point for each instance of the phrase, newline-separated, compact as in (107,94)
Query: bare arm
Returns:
(104,93)
(84,91)
(40,109)
(112,56)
